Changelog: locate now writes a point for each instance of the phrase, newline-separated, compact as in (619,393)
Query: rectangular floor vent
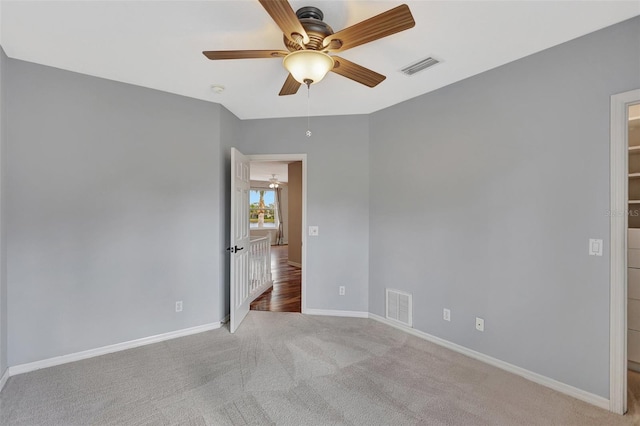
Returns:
(399,307)
(419,66)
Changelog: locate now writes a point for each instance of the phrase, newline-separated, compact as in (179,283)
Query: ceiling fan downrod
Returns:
(308,132)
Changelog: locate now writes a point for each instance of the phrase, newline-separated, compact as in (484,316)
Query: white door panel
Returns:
(239,290)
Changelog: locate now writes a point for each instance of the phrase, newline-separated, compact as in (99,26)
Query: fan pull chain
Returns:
(308,111)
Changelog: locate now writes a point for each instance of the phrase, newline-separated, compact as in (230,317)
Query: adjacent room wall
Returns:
(284,199)
(113,211)
(484,195)
(295,213)
(337,200)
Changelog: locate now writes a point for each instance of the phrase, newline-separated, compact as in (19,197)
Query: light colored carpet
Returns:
(289,369)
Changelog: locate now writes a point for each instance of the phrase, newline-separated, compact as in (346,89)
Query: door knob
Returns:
(234,249)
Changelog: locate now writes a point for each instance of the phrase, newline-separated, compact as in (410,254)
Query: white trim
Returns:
(303,158)
(64,359)
(303,278)
(294,264)
(596,400)
(336,313)
(4,378)
(619,152)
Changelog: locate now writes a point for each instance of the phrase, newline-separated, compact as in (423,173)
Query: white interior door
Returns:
(240,292)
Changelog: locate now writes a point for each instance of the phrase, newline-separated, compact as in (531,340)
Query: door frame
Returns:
(619,166)
(303,158)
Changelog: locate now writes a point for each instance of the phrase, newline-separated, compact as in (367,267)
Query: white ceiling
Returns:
(158,44)
(263,170)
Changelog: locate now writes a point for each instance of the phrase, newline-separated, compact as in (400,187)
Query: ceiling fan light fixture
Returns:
(274,182)
(308,66)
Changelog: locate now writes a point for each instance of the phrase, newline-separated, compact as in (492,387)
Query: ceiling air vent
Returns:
(419,66)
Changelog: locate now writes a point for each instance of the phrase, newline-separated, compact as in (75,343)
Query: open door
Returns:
(240,292)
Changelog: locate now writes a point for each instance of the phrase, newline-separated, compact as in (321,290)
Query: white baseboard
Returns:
(564,388)
(64,359)
(294,264)
(634,366)
(580,394)
(335,313)
(4,378)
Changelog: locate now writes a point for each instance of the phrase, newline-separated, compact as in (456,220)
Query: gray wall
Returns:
(484,195)
(3,251)
(337,200)
(113,212)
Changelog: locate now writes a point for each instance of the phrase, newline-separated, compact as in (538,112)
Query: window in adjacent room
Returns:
(262,202)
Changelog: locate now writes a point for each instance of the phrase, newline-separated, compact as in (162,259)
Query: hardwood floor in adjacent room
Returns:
(286,293)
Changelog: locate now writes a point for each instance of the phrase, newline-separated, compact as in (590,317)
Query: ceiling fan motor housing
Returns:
(311,19)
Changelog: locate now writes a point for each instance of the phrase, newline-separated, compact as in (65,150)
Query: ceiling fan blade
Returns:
(357,72)
(283,15)
(390,22)
(244,54)
(291,86)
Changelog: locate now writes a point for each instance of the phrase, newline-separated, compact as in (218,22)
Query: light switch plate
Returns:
(595,247)
(313,231)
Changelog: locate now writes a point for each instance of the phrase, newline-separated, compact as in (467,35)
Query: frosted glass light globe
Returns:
(308,65)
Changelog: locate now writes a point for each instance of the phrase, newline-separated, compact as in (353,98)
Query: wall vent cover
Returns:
(419,66)
(399,307)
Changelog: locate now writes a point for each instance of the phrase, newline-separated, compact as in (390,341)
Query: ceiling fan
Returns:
(309,41)
(273,182)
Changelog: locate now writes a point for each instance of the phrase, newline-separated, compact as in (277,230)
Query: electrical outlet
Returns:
(313,231)
(479,324)
(341,290)
(446,314)
(179,306)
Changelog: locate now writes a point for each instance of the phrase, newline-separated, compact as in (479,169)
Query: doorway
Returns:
(620,208)
(288,250)
(276,216)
